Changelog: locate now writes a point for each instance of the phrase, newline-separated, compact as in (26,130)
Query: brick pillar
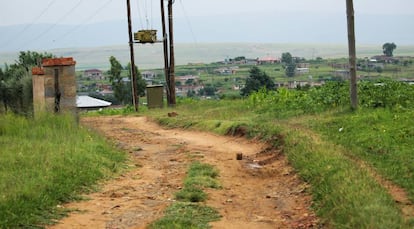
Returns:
(54,86)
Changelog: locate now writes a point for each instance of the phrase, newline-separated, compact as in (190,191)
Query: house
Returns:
(187,79)
(301,71)
(295,84)
(303,65)
(342,73)
(148,75)
(268,60)
(182,90)
(385,59)
(227,70)
(94,74)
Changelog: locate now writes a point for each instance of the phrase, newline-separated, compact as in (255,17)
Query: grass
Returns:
(189,212)
(345,194)
(46,162)
(383,137)
(186,216)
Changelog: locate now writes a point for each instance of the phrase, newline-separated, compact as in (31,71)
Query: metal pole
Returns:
(165,46)
(352,53)
(135,98)
(172,61)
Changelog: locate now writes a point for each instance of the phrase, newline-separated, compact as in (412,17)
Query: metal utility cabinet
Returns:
(155,97)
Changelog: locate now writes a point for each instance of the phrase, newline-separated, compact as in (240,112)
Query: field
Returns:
(356,165)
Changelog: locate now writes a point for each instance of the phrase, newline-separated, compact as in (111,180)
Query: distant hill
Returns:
(300,27)
(150,56)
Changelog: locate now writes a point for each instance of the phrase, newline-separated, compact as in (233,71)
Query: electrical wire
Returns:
(188,21)
(43,33)
(14,38)
(139,15)
(94,14)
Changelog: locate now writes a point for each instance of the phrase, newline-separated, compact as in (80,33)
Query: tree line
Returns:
(16,89)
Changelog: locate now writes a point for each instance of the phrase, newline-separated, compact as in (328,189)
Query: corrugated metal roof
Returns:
(84,101)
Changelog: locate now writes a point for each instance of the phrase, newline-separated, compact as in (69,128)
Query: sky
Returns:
(61,23)
(91,11)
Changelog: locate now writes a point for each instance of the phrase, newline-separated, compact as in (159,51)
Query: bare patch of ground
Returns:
(260,191)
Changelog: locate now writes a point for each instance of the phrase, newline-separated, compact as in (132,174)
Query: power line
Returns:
(188,22)
(56,23)
(86,20)
(8,42)
(139,15)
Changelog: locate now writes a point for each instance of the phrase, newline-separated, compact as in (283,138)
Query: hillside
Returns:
(150,56)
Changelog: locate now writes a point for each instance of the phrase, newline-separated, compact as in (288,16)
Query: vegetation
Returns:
(388,48)
(16,83)
(42,167)
(122,87)
(289,64)
(256,80)
(333,148)
(188,213)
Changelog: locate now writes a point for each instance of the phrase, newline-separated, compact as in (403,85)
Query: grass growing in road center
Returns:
(188,212)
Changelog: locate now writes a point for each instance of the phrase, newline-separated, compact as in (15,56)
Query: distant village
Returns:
(95,80)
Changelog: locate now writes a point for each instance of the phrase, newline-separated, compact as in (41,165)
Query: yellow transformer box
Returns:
(146,36)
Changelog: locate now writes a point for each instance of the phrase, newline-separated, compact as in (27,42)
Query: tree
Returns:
(141,83)
(257,80)
(289,64)
(290,70)
(16,82)
(388,48)
(116,79)
(287,58)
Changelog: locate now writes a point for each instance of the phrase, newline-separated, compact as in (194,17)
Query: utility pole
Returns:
(166,55)
(135,98)
(352,53)
(169,60)
(172,61)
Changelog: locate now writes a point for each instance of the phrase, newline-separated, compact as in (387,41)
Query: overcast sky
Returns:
(49,24)
(91,11)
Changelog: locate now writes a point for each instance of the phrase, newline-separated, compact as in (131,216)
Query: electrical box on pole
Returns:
(146,36)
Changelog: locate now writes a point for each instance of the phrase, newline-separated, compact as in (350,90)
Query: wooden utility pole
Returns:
(352,53)
(135,98)
(172,61)
(166,55)
(169,61)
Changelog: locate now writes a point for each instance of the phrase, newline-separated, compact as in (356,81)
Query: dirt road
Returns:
(260,191)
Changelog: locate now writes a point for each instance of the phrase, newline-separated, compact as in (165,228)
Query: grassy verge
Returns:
(345,195)
(382,137)
(46,162)
(188,212)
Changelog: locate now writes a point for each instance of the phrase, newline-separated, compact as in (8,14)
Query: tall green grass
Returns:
(46,162)
(382,137)
(307,124)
